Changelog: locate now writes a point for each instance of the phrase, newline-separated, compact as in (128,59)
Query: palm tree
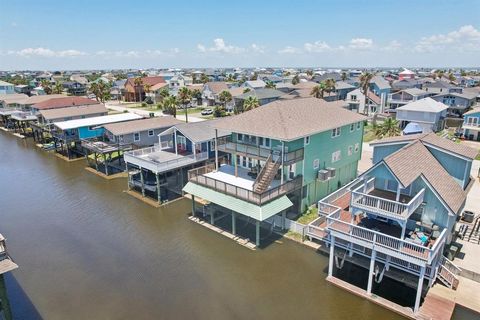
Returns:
(270,85)
(169,105)
(230,78)
(344,76)
(365,79)
(250,103)
(58,89)
(47,86)
(184,96)
(318,90)
(329,85)
(254,76)
(389,128)
(440,74)
(295,80)
(225,97)
(204,78)
(451,77)
(309,73)
(147,88)
(197,94)
(138,82)
(246,90)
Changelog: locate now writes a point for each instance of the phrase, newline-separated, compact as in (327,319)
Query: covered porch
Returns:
(239,217)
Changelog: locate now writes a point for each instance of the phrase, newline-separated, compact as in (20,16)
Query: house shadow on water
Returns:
(21,306)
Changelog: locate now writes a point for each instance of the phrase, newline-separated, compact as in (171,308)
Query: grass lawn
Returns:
(477,157)
(295,235)
(368,134)
(100,157)
(308,216)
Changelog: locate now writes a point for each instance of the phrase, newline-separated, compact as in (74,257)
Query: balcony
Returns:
(240,186)
(100,146)
(66,137)
(157,160)
(382,203)
(226,144)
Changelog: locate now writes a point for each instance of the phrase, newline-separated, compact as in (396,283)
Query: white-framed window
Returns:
(306,140)
(212,145)
(358,125)
(353,97)
(136,136)
(350,150)
(336,132)
(357,147)
(316,164)
(336,156)
(151,133)
(352,127)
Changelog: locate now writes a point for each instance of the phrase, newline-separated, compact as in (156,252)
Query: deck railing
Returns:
(382,206)
(99,146)
(227,144)
(198,176)
(349,231)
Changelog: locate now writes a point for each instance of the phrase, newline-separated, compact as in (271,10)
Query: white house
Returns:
(427,113)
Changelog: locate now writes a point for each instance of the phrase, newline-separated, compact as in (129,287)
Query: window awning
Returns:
(240,206)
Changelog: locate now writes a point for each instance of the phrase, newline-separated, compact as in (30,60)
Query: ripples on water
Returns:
(87,250)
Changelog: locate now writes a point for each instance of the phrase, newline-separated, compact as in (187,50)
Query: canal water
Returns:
(87,250)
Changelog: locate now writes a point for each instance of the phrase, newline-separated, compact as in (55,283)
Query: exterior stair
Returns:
(448,273)
(267,174)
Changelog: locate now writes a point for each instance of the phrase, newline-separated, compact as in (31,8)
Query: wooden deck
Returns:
(7,265)
(433,307)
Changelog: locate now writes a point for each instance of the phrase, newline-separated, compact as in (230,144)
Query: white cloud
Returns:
(393,45)
(465,38)
(257,49)
(289,50)
(219,45)
(317,46)
(48,53)
(361,43)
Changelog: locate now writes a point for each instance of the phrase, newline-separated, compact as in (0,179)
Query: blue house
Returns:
(471,124)
(67,135)
(401,213)
(6,88)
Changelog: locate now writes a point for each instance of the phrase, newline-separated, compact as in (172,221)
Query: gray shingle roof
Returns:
(51,114)
(424,105)
(201,131)
(414,161)
(141,125)
(261,93)
(291,119)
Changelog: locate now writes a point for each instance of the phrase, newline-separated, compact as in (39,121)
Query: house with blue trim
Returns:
(400,214)
(471,124)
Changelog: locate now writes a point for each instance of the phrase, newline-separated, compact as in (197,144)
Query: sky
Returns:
(105,34)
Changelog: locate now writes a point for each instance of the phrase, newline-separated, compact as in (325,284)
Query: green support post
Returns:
(257,238)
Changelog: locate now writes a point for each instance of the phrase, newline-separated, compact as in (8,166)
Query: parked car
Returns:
(206,112)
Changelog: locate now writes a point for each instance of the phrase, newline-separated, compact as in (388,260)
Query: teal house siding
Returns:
(458,168)
(86,132)
(320,150)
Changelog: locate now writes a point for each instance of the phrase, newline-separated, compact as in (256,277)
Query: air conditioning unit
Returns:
(331,172)
(323,175)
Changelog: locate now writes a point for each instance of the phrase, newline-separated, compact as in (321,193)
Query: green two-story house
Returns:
(279,159)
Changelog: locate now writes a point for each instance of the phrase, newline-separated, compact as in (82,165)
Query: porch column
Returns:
(257,233)
(96,161)
(143,182)
(370,272)
(419,289)
(234,222)
(157,177)
(284,219)
(216,150)
(283,155)
(404,227)
(105,163)
(236,164)
(397,198)
(212,217)
(129,177)
(365,180)
(175,140)
(193,205)
(331,257)
(194,151)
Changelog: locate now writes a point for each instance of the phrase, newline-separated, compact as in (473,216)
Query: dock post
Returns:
(4,304)
(284,219)
(105,164)
(419,289)
(193,205)
(257,233)
(212,216)
(370,272)
(143,182)
(332,256)
(96,161)
(157,177)
(234,227)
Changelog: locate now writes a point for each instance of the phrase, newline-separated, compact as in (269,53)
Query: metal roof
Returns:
(96,121)
(248,209)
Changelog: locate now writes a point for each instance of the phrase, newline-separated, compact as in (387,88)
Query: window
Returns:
(352,127)
(239,137)
(316,164)
(260,141)
(336,156)
(350,150)
(212,145)
(353,97)
(91,128)
(267,142)
(151,133)
(358,125)
(336,132)
(136,136)
(306,140)
(357,147)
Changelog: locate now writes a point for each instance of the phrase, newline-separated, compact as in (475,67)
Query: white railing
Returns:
(315,229)
(378,240)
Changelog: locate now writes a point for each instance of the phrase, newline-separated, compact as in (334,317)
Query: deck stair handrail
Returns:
(448,273)
(397,246)
(262,171)
(268,172)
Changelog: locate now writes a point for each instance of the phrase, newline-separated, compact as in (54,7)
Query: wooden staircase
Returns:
(267,174)
(448,273)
